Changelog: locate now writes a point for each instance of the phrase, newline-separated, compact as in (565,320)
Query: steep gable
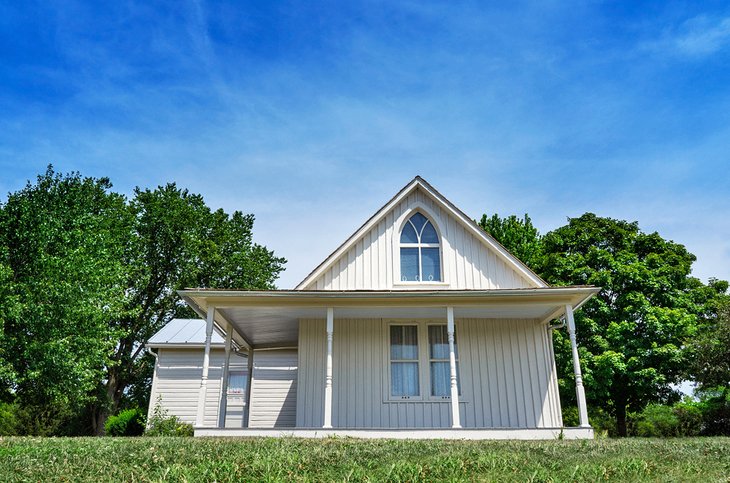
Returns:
(370,258)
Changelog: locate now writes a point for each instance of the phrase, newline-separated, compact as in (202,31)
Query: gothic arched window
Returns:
(420,252)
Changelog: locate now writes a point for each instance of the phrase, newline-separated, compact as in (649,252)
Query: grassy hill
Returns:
(263,459)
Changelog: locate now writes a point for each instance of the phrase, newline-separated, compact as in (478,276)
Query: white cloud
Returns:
(697,37)
(704,36)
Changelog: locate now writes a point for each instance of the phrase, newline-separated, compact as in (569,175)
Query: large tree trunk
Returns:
(621,419)
(113,397)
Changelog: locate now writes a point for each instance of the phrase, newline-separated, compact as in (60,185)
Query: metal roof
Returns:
(183,332)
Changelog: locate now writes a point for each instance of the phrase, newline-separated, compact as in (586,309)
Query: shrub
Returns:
(8,419)
(656,420)
(690,417)
(161,423)
(571,418)
(127,423)
(716,412)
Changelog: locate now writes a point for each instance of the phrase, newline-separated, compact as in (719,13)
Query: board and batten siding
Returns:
(176,385)
(506,365)
(373,262)
(274,389)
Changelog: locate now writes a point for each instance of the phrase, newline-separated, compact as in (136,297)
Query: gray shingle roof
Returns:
(184,331)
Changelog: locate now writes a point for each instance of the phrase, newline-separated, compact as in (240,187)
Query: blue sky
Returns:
(312,114)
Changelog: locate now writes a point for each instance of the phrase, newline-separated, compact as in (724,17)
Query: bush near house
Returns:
(162,423)
(127,423)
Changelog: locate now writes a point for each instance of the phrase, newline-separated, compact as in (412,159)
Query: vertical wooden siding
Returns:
(466,262)
(274,389)
(507,370)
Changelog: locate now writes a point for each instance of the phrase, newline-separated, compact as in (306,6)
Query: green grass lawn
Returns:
(264,459)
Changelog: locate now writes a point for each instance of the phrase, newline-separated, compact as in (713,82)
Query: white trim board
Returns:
(464,434)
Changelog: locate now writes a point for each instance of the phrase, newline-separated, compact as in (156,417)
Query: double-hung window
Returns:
(409,366)
(404,366)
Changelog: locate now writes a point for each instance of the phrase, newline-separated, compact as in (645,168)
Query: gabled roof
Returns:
(184,332)
(444,204)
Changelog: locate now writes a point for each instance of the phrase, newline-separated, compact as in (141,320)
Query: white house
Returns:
(419,325)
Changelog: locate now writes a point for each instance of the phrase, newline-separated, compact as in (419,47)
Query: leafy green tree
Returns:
(63,240)
(177,242)
(632,335)
(86,277)
(8,308)
(711,348)
(519,236)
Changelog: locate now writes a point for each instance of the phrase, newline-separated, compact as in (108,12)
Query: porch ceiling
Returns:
(271,318)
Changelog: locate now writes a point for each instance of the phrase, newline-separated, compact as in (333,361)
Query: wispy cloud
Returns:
(311,116)
(698,37)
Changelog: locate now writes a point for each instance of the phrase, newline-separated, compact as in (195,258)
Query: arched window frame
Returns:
(404,222)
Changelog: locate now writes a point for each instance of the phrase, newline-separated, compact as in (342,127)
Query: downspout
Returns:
(150,410)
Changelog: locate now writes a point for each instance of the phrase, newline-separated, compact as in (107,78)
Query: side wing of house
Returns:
(177,374)
(176,385)
(459,256)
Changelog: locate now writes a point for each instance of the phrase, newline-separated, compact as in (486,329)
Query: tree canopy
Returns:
(87,276)
(519,236)
(633,336)
(62,242)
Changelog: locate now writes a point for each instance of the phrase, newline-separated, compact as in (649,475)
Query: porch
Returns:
(263,323)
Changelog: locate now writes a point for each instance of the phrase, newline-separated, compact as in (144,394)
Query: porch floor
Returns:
(386,433)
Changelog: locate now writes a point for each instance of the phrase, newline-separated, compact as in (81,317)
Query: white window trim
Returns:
(424,366)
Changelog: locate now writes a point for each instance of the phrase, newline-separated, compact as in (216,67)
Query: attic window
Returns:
(420,255)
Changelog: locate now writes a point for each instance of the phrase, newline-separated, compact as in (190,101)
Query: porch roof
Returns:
(270,318)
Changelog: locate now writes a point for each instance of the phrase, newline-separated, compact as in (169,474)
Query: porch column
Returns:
(328,375)
(199,420)
(224,383)
(579,391)
(455,418)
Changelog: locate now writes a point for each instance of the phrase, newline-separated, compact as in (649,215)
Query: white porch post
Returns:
(455,418)
(200,419)
(328,375)
(223,408)
(579,391)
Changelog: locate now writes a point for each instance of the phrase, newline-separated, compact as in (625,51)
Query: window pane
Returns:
(404,342)
(404,379)
(438,343)
(428,235)
(440,379)
(237,382)
(409,264)
(418,221)
(431,260)
(408,235)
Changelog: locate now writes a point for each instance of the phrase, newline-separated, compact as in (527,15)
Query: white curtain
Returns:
(404,379)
